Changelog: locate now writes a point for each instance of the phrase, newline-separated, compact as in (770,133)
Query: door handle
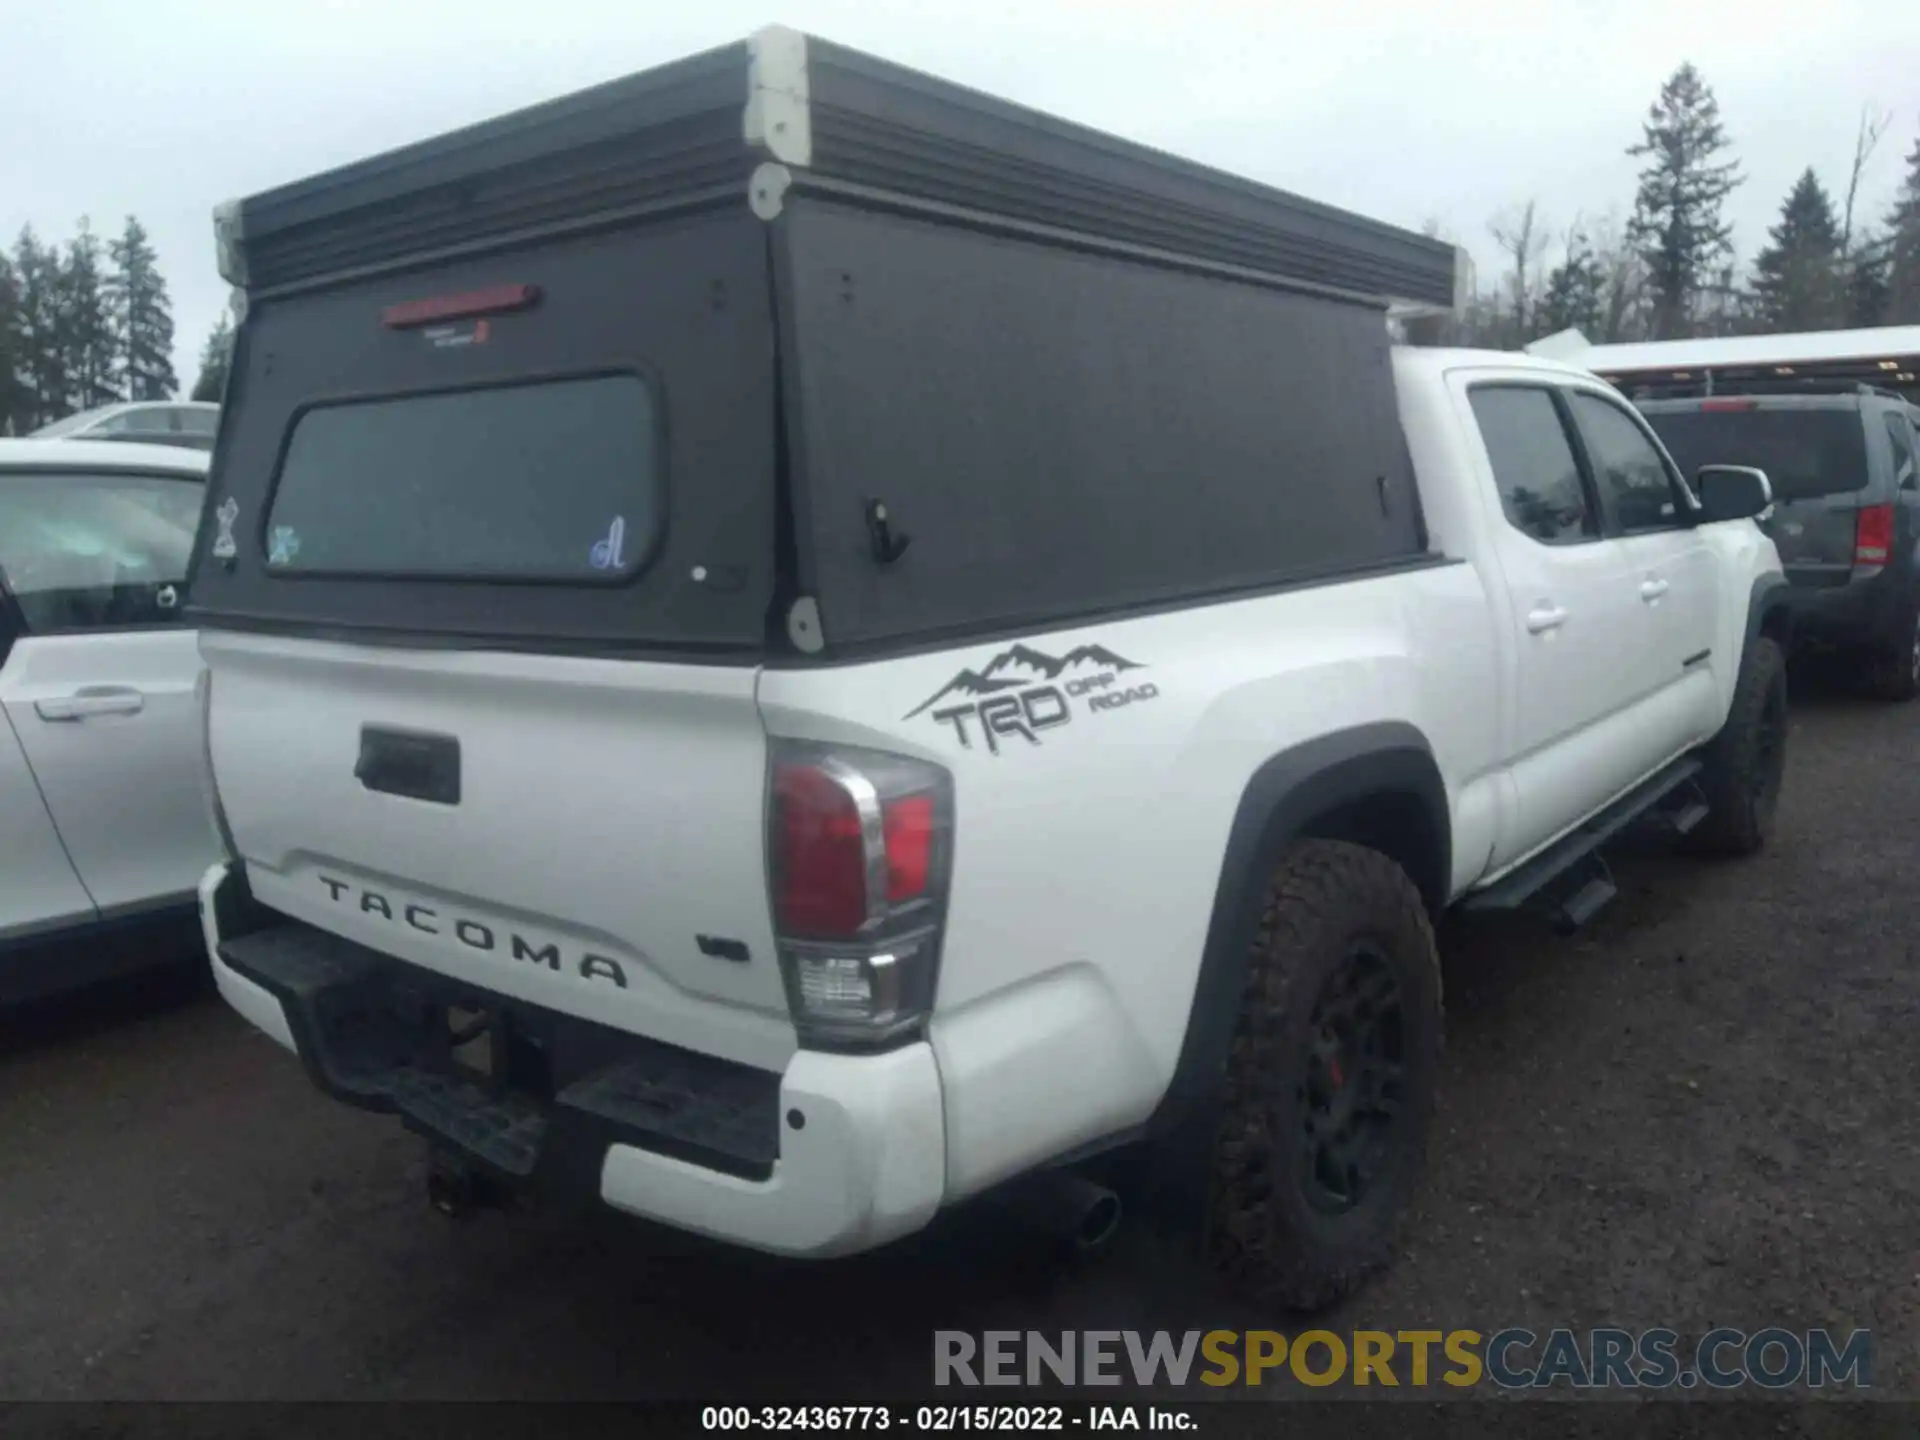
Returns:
(1652,590)
(1545,617)
(92,700)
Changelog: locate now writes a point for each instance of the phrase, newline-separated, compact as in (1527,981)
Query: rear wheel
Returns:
(1330,1083)
(1746,761)
(1895,672)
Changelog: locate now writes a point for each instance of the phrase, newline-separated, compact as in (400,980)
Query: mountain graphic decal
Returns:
(1022,665)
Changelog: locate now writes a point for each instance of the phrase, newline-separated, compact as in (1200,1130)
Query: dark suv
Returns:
(1846,517)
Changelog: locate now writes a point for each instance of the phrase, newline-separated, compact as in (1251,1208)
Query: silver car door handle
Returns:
(92,700)
(1652,590)
(1545,617)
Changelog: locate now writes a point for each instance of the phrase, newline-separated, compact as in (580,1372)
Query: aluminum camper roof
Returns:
(832,120)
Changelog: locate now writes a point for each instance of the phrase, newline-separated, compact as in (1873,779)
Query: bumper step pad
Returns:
(689,1099)
(370,1030)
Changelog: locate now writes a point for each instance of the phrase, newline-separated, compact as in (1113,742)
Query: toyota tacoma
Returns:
(790,645)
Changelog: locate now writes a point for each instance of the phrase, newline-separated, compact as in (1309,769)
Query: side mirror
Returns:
(1732,492)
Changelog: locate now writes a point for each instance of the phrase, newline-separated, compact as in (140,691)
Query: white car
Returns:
(188,423)
(103,829)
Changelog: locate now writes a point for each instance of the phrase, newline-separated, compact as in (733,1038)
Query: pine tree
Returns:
(1903,248)
(142,316)
(86,325)
(1576,289)
(1864,282)
(215,358)
(43,359)
(13,390)
(1677,228)
(1796,284)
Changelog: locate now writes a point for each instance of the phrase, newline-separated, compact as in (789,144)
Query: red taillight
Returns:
(493,301)
(1726,405)
(860,846)
(820,855)
(1873,535)
(908,827)
(826,858)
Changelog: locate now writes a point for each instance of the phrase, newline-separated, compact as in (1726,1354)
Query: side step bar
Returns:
(1568,879)
(1585,903)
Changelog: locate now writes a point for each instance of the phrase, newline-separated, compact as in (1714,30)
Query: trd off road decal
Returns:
(1022,691)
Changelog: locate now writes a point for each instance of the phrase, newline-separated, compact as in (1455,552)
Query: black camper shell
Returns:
(785,351)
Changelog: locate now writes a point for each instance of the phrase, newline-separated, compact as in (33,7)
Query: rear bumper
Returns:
(836,1154)
(1858,614)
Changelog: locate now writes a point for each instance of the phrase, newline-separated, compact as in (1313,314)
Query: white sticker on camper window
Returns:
(283,543)
(605,554)
(224,547)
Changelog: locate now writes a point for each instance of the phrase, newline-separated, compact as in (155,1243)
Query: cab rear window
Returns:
(557,480)
(1806,452)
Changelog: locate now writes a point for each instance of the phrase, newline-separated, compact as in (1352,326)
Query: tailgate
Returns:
(1815,538)
(483,596)
(595,846)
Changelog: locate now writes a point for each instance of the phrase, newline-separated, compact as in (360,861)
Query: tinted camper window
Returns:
(549,481)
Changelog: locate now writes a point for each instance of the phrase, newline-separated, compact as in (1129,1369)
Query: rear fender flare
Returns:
(1766,602)
(1280,802)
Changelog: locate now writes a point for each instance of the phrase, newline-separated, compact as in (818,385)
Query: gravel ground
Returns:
(1698,1113)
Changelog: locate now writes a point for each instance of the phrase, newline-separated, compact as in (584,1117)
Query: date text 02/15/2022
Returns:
(941,1419)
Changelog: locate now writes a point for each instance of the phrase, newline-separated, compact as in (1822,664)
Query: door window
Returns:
(93,551)
(1533,464)
(1636,488)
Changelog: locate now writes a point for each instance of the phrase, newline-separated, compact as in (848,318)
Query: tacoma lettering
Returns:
(478,935)
(547,955)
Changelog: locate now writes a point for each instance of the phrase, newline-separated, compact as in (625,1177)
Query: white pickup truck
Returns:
(791,646)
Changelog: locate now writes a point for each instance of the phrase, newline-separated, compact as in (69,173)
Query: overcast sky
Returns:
(1403,111)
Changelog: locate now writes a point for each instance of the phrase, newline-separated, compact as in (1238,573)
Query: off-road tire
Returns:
(1744,767)
(1327,901)
(1894,673)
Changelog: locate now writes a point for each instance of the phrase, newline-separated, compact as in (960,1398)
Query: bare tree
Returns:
(1724,303)
(1624,283)
(1524,238)
(1873,124)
